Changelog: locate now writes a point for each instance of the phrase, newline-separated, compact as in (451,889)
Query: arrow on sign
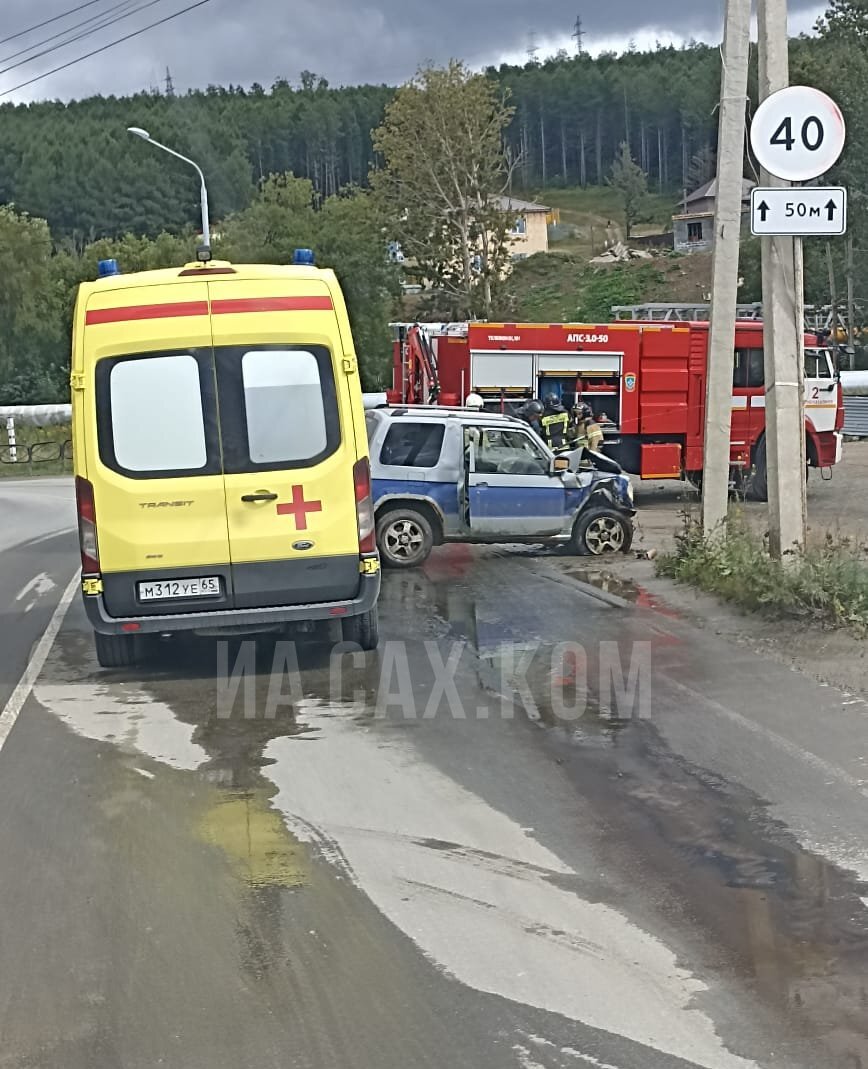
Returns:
(764,210)
(831,208)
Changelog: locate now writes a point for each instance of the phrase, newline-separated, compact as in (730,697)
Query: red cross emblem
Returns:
(299,508)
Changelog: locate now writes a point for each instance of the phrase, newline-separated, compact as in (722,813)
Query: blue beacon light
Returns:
(108,267)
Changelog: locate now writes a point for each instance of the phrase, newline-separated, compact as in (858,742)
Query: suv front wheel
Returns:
(405,538)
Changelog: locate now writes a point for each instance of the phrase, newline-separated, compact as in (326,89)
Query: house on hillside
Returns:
(530,234)
(693,229)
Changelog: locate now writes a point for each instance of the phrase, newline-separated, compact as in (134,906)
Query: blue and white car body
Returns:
(482,477)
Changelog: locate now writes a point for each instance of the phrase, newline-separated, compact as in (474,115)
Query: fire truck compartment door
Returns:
(501,371)
(580,364)
(512,492)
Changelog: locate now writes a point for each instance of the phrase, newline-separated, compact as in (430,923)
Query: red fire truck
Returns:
(644,380)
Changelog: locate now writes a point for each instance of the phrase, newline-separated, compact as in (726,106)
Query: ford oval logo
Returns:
(302,545)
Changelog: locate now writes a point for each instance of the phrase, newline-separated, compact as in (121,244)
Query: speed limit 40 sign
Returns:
(798,133)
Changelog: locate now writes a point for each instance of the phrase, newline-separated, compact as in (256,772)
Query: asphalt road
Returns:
(475,849)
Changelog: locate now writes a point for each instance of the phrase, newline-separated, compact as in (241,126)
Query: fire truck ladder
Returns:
(678,313)
(419,358)
(817,320)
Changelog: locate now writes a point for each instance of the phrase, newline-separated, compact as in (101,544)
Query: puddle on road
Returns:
(794,927)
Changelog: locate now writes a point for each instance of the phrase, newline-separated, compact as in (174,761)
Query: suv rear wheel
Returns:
(405,538)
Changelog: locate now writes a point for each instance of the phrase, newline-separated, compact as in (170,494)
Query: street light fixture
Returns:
(204,252)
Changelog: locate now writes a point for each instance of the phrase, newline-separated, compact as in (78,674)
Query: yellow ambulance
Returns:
(221,457)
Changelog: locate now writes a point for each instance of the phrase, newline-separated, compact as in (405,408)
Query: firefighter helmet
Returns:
(474,401)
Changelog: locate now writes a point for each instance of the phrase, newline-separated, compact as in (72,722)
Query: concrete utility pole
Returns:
(724,291)
(851,306)
(784,319)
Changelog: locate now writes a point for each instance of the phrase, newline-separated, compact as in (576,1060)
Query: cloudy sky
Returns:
(347,41)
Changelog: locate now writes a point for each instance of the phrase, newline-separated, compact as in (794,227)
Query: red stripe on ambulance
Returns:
(271,304)
(178,309)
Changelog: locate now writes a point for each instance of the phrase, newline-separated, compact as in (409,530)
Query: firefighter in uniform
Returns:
(531,412)
(555,423)
(584,430)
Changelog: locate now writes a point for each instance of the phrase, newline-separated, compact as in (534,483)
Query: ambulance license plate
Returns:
(166,589)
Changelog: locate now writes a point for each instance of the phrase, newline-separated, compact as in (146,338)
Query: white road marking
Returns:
(478,895)
(846,853)
(791,749)
(144,772)
(39,585)
(48,537)
(588,1059)
(35,665)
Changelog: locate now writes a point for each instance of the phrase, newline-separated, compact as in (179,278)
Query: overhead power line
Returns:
(48,22)
(103,21)
(103,48)
(98,17)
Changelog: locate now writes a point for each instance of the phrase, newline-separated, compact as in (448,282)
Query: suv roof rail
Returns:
(446,410)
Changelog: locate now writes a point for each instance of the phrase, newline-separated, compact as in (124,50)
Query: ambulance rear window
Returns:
(283,405)
(156,414)
(278,406)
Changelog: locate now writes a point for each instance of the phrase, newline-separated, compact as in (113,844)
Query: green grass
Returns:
(42,444)
(567,289)
(595,214)
(564,286)
(827,585)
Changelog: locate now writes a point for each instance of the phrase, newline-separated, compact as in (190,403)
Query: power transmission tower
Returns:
(170,85)
(579,35)
(532,47)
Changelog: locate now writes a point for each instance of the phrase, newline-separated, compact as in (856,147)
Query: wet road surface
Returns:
(480,847)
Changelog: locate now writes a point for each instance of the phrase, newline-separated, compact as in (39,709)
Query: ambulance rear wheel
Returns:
(362,630)
(600,531)
(116,651)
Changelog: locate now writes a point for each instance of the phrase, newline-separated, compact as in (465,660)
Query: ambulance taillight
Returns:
(365,507)
(87,527)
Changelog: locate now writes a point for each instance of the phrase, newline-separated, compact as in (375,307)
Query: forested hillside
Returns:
(75,167)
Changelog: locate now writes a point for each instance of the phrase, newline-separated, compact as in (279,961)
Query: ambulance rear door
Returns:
(288,442)
(153,449)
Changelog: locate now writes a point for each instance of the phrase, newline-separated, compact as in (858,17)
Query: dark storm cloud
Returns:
(347,41)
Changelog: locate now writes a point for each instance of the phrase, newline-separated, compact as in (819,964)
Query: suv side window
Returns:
(413,445)
(509,452)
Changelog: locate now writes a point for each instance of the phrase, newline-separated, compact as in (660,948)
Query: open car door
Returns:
(512,491)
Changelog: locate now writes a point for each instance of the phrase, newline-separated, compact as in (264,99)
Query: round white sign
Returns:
(798,133)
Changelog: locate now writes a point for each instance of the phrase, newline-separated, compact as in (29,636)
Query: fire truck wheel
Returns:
(600,531)
(757,484)
(405,538)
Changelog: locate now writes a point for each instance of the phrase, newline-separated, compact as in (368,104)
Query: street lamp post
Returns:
(205,251)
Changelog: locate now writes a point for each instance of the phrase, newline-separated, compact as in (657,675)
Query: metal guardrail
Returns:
(855,416)
(37,453)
